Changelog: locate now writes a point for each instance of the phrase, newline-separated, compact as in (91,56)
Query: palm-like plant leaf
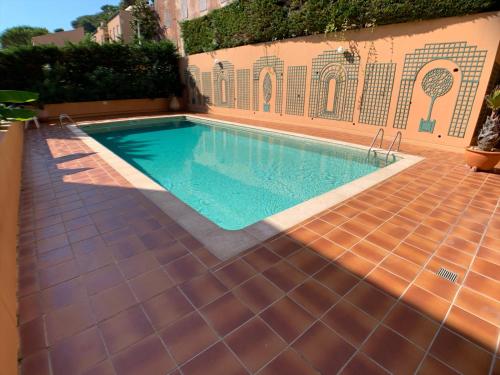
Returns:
(16,114)
(13,96)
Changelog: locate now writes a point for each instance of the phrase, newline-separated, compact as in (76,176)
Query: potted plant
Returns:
(8,110)
(485,155)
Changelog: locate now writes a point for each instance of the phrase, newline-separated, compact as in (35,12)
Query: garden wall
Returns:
(11,150)
(426,79)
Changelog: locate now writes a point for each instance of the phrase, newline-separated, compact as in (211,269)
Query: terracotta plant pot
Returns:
(481,160)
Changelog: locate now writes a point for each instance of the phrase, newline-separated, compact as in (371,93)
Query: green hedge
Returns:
(252,21)
(89,71)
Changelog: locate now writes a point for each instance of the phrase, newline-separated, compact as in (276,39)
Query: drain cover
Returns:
(447,274)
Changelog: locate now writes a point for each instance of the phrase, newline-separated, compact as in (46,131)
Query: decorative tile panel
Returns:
(342,68)
(243,88)
(296,90)
(206,80)
(192,79)
(223,75)
(470,61)
(277,65)
(377,92)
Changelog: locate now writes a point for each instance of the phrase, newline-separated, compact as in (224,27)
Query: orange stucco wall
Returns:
(105,108)
(472,38)
(11,150)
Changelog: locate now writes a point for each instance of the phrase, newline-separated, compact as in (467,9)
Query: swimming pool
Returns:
(233,176)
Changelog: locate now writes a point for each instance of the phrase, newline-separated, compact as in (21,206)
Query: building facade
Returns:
(60,38)
(118,28)
(172,12)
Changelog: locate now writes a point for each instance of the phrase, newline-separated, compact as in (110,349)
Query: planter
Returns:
(481,160)
(105,108)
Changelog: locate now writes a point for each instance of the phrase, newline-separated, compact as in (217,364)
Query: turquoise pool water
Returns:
(233,176)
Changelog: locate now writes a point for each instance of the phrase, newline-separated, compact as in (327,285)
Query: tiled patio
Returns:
(110,285)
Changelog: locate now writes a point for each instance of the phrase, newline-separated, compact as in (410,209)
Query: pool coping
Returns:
(226,243)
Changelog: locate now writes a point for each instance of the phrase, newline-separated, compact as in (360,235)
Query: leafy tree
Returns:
(20,36)
(126,3)
(145,21)
(58,30)
(91,22)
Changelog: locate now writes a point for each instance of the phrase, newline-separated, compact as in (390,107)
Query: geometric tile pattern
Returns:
(377,92)
(469,60)
(108,282)
(296,90)
(343,69)
(223,75)
(206,80)
(192,79)
(243,88)
(277,65)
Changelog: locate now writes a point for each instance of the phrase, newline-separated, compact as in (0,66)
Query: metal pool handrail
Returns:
(397,137)
(375,139)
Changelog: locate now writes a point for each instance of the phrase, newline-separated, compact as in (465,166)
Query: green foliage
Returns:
(58,30)
(20,36)
(91,22)
(145,22)
(252,21)
(9,97)
(89,71)
(493,99)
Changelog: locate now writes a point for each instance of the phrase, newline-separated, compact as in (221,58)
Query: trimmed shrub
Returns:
(253,21)
(89,71)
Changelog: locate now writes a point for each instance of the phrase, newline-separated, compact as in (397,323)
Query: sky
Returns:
(51,14)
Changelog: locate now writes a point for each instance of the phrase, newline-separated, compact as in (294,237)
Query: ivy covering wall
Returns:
(252,21)
(89,71)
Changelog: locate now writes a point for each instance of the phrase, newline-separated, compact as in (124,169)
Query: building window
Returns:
(184,9)
(203,5)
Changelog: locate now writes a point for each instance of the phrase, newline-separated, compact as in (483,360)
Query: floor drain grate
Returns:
(447,274)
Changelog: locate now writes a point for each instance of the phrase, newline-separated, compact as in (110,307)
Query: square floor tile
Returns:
(320,336)
(288,363)
(187,337)
(235,273)
(145,357)
(68,321)
(216,360)
(287,318)
(285,276)
(112,301)
(314,297)
(382,345)
(351,323)
(203,289)
(125,329)
(226,314)
(184,268)
(255,344)
(258,293)
(77,353)
(150,284)
(167,307)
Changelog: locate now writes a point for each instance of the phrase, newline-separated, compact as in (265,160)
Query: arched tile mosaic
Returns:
(277,65)
(192,79)
(223,74)
(243,89)
(377,92)
(206,81)
(470,61)
(295,90)
(342,68)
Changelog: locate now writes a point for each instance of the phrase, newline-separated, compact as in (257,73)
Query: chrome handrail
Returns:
(63,116)
(375,139)
(397,137)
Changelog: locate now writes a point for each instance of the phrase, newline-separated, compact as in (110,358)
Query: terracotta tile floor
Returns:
(108,284)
